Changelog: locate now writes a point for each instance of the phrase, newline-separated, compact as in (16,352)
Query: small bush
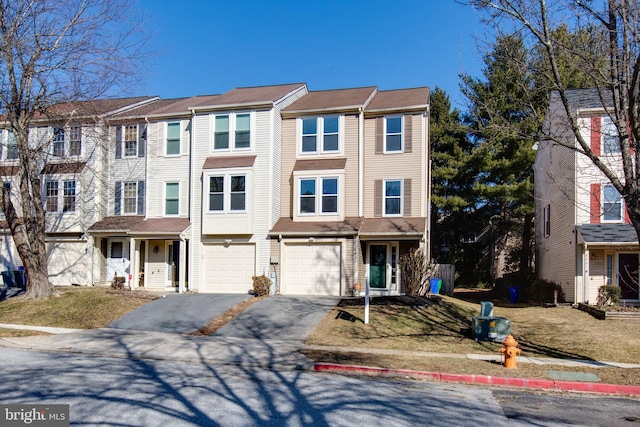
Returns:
(118,283)
(608,295)
(415,271)
(543,291)
(261,285)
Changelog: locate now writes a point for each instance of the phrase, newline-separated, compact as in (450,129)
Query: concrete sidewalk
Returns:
(284,354)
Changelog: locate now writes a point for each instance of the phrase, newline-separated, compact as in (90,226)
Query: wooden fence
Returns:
(447,273)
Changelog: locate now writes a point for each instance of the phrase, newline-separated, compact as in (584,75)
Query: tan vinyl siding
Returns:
(350,142)
(406,166)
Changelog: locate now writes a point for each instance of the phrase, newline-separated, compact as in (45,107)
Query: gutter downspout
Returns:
(428,164)
(361,163)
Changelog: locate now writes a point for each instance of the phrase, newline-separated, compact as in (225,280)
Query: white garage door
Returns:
(67,263)
(312,269)
(228,268)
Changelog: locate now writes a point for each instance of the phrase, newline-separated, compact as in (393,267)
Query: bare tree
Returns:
(614,26)
(53,53)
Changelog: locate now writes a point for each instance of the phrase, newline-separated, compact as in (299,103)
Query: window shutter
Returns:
(596,126)
(407,133)
(379,135)
(377,198)
(118,193)
(140,197)
(595,204)
(407,197)
(118,142)
(142,140)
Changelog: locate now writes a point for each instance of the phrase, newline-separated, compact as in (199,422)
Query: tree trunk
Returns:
(525,255)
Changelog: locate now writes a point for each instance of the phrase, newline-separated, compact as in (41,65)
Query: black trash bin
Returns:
(20,278)
(7,278)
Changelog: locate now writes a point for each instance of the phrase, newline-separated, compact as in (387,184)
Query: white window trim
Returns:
(122,198)
(227,174)
(384,135)
(602,208)
(60,180)
(319,176)
(320,135)
(384,197)
(137,141)
(232,132)
(607,124)
(164,199)
(166,139)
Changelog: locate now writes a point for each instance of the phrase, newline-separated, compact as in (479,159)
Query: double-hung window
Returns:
(173,139)
(131,140)
(75,141)
(12,146)
(393,197)
(228,193)
(232,131)
(393,134)
(612,204)
(318,196)
(610,138)
(320,134)
(51,196)
(130,198)
(172,198)
(69,196)
(58,142)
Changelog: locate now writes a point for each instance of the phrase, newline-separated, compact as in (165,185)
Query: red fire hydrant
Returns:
(510,351)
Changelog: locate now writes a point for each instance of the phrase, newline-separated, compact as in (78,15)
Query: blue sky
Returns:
(211,46)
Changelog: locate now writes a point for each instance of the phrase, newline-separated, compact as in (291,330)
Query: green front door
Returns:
(378,266)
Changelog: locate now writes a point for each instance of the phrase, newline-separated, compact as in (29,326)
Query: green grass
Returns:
(443,326)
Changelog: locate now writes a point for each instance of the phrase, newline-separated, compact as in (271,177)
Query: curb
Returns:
(533,383)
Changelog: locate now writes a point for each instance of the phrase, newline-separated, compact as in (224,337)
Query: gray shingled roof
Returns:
(586,98)
(607,233)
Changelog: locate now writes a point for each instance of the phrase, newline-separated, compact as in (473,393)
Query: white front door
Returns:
(117,258)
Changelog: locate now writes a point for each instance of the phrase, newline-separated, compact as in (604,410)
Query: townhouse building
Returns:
(584,238)
(318,190)
(72,139)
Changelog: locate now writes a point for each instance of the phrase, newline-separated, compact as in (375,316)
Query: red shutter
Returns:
(595,204)
(627,220)
(596,125)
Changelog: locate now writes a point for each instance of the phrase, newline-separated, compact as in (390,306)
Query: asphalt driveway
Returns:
(178,313)
(281,317)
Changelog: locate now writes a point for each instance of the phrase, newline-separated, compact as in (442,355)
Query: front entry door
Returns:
(173,263)
(628,265)
(378,266)
(117,259)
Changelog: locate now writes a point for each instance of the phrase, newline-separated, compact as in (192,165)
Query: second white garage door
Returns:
(312,269)
(67,263)
(228,268)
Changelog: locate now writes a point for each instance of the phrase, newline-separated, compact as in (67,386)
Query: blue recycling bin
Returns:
(435,284)
(514,292)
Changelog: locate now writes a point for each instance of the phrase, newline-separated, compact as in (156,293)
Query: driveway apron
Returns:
(178,313)
(280,317)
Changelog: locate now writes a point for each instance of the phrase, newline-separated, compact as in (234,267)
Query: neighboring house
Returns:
(74,136)
(236,184)
(354,189)
(143,235)
(583,236)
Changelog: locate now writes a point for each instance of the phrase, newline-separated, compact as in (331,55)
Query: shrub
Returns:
(261,285)
(539,290)
(118,283)
(608,295)
(415,272)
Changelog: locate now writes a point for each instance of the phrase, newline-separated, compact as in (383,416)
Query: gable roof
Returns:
(94,108)
(591,98)
(332,100)
(243,97)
